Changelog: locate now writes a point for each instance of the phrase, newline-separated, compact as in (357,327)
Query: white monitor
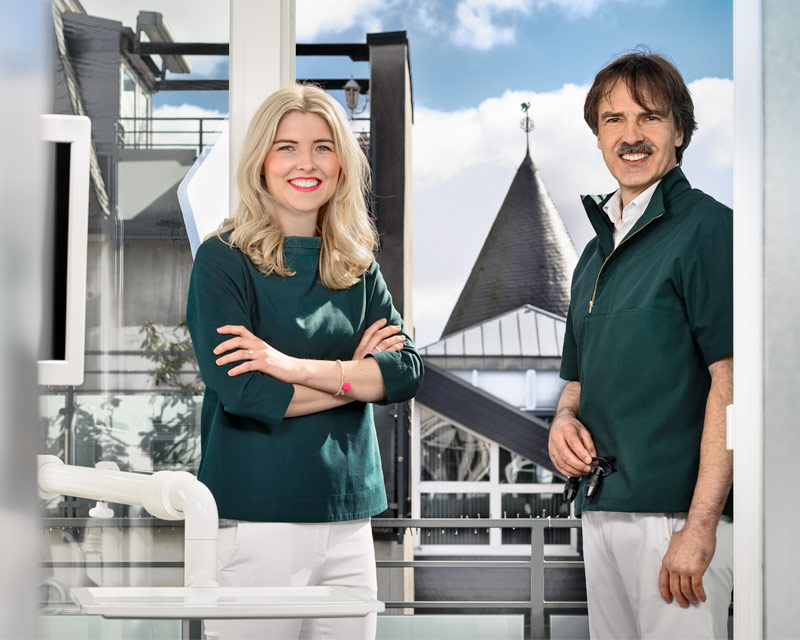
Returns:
(62,362)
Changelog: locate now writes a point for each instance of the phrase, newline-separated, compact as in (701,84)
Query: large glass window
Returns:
(462,475)
(451,454)
(532,505)
(455,505)
(139,404)
(514,469)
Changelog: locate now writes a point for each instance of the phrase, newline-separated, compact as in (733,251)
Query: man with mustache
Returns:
(648,356)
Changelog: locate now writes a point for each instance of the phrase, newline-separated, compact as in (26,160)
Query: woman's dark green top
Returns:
(259,465)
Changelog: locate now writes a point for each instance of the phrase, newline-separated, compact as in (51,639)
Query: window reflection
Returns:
(514,469)
(140,401)
(450,453)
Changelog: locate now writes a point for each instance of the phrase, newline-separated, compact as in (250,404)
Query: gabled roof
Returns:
(527,258)
(525,331)
(485,414)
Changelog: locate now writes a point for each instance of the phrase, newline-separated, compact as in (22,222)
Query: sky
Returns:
(473,62)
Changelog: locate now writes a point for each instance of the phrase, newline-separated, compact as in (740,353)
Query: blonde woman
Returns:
(296,335)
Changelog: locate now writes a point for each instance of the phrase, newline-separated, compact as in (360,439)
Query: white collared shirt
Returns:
(624,220)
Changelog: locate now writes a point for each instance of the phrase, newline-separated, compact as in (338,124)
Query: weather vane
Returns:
(527,125)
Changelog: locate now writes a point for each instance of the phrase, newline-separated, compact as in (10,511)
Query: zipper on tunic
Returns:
(608,257)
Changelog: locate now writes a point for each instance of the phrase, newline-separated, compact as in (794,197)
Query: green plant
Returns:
(173,442)
(91,439)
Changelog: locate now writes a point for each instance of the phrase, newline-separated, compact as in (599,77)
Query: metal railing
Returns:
(536,564)
(537,606)
(167,133)
(195,133)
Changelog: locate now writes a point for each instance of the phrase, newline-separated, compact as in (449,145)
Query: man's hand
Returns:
(570,445)
(684,564)
(691,550)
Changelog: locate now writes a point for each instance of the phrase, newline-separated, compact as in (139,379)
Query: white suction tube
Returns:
(169,495)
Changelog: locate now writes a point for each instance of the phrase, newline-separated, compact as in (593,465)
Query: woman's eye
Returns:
(324,147)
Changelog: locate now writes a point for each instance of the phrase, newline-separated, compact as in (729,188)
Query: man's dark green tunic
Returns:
(645,322)
(260,466)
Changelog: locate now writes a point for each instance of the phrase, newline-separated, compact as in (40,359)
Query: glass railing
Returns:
(143,551)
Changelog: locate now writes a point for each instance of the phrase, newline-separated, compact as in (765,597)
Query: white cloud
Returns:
(485,24)
(186,111)
(464,161)
(315,17)
(708,161)
(576,9)
(476,26)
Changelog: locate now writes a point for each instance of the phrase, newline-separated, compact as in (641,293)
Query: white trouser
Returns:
(623,554)
(278,554)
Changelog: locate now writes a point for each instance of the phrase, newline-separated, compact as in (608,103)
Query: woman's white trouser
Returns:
(275,554)
(622,554)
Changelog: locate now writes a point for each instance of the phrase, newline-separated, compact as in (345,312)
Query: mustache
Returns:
(638,147)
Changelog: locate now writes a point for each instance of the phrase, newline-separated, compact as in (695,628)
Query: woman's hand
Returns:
(256,355)
(379,337)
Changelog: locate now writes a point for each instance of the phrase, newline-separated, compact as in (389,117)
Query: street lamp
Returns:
(352,91)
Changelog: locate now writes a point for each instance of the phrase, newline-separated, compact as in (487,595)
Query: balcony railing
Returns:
(196,133)
(168,133)
(537,564)
(536,605)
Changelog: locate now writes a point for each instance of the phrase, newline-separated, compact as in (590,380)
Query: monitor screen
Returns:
(61,351)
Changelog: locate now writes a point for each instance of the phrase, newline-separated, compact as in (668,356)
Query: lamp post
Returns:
(352,91)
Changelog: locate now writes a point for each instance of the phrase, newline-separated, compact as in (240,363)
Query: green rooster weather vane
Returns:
(527,125)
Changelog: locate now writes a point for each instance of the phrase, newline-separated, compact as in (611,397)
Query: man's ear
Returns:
(679,137)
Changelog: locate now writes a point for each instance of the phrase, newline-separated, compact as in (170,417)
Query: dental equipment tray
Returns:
(223,602)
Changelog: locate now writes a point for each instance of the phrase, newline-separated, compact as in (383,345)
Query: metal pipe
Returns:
(170,495)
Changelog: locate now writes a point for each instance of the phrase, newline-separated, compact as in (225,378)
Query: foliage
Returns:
(172,443)
(93,438)
(92,430)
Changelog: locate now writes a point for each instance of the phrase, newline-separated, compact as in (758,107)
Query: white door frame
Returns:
(262,60)
(745,427)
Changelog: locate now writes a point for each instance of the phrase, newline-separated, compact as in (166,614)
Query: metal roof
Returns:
(527,258)
(525,331)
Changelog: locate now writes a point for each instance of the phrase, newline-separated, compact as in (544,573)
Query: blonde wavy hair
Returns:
(349,237)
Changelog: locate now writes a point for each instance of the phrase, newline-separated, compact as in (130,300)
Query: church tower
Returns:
(527,258)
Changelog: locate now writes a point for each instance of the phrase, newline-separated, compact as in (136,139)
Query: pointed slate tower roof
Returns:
(527,258)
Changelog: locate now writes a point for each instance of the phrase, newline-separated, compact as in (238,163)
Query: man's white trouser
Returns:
(623,554)
(275,554)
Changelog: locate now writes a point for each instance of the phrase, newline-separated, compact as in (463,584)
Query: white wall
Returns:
(781,318)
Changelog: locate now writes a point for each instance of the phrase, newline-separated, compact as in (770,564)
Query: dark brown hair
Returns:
(648,75)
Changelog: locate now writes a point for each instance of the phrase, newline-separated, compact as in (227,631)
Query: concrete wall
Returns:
(781,317)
